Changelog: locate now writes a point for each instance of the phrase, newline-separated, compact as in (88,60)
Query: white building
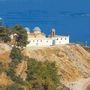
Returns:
(37,38)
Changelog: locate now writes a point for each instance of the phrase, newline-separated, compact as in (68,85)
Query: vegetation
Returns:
(12,75)
(42,75)
(15,54)
(13,87)
(21,37)
(4,34)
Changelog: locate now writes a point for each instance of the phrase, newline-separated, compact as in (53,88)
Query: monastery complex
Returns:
(38,38)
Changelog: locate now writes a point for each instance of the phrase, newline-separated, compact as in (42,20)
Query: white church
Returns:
(38,39)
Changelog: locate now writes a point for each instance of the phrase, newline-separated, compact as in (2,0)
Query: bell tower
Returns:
(53,33)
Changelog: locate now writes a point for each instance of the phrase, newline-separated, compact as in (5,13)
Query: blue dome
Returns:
(27,29)
(37,29)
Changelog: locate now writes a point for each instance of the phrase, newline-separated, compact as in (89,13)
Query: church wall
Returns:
(61,40)
(40,42)
(48,41)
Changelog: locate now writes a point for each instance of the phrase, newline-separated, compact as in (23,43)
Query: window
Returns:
(57,38)
(65,38)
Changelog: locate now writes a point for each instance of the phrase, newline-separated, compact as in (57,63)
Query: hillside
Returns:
(72,61)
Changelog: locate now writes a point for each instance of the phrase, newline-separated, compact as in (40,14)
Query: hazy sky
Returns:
(69,17)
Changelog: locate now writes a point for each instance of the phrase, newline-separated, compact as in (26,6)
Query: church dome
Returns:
(37,30)
(27,29)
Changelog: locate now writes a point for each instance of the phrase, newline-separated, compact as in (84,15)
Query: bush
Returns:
(4,34)
(21,38)
(42,75)
(16,79)
(15,54)
(13,87)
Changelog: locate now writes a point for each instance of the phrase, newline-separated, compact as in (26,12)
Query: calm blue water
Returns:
(69,17)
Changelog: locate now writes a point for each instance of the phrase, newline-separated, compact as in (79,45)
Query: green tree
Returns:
(21,38)
(42,75)
(16,54)
(4,34)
